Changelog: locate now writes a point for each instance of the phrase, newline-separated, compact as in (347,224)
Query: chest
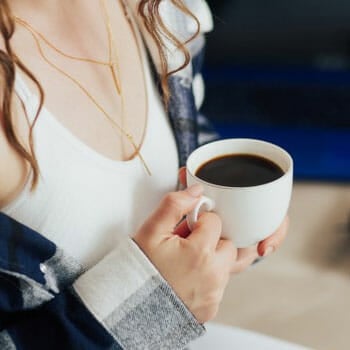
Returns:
(81,94)
(84,200)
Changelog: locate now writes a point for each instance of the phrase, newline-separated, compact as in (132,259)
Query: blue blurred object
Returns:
(306,111)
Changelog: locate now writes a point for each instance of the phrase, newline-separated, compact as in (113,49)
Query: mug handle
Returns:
(204,204)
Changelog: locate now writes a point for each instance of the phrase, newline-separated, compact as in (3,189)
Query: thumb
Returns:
(171,210)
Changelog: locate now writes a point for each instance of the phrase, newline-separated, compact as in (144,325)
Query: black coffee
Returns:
(239,170)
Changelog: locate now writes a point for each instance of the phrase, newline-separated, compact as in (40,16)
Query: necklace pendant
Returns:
(138,153)
(114,71)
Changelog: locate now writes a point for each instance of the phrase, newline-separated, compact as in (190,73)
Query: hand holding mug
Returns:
(196,264)
(197,267)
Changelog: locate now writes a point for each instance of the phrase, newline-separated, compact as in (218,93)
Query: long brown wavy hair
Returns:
(149,12)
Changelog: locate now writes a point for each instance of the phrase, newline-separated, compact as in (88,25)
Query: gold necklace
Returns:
(112,64)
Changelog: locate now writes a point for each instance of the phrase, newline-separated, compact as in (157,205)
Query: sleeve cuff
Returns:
(126,293)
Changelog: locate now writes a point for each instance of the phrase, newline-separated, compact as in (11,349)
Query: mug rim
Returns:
(280,149)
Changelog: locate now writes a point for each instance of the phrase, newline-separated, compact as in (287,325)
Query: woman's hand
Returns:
(265,247)
(196,264)
(197,267)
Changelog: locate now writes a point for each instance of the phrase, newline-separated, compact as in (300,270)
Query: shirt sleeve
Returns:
(120,303)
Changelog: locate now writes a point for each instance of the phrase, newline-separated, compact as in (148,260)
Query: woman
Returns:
(88,168)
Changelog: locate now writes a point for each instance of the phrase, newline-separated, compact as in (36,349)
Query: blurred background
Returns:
(280,71)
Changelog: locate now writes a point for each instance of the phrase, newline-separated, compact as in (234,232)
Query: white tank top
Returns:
(84,200)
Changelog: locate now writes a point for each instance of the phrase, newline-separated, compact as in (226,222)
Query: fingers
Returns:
(237,260)
(172,209)
(228,252)
(182,229)
(245,257)
(182,176)
(250,253)
(226,255)
(270,244)
(207,231)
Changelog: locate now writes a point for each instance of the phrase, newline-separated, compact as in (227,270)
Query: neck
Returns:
(63,17)
(56,10)
(68,24)
(44,5)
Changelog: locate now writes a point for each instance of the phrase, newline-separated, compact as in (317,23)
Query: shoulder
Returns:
(13,169)
(202,11)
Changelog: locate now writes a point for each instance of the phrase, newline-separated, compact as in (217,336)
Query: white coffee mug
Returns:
(248,214)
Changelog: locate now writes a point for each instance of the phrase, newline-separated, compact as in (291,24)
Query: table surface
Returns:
(231,338)
(302,293)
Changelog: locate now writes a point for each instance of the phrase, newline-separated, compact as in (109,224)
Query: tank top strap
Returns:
(29,100)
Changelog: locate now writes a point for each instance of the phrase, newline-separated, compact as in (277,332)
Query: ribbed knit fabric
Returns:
(84,200)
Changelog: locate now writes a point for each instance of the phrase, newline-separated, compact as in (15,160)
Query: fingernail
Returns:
(268,251)
(195,190)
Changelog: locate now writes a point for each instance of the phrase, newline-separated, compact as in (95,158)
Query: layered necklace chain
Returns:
(112,64)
